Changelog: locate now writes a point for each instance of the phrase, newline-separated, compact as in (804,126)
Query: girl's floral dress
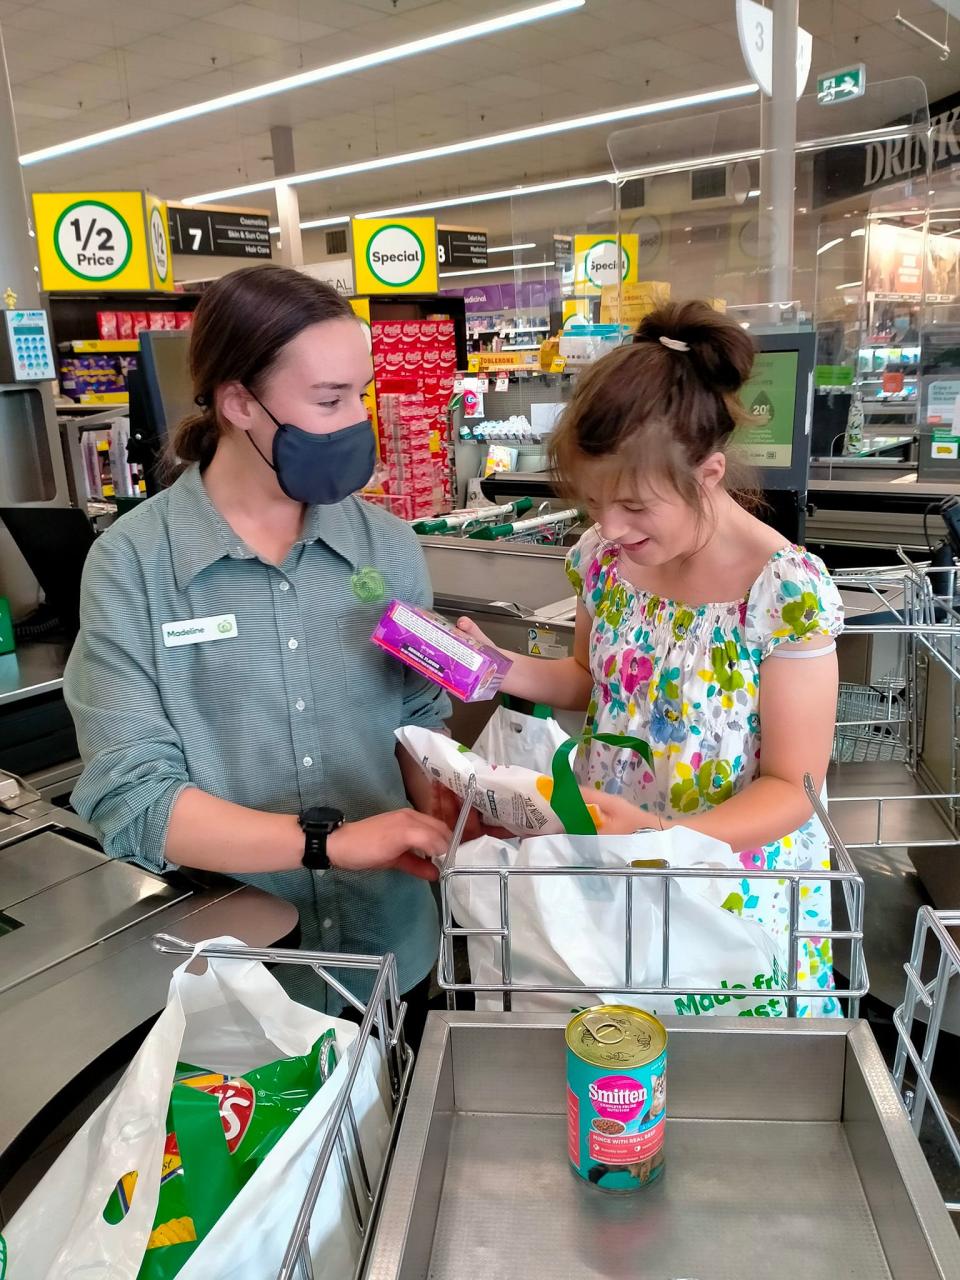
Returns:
(687,681)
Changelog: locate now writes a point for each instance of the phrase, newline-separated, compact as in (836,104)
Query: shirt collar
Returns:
(200,536)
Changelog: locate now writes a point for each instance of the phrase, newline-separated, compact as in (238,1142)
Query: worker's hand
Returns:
(403,841)
(447,805)
(617,816)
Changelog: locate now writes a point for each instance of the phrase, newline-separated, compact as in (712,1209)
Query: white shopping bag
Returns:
(570,930)
(510,737)
(233,1018)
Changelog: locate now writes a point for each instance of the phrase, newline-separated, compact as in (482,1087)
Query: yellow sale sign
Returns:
(102,240)
(395,255)
(600,260)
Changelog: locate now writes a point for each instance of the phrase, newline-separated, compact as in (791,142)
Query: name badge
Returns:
(199,630)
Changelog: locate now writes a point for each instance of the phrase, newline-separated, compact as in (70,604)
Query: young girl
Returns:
(699,628)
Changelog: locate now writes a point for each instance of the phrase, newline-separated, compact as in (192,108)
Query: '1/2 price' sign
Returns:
(92,240)
(101,240)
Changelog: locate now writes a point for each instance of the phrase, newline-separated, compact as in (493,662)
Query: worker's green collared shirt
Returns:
(294,707)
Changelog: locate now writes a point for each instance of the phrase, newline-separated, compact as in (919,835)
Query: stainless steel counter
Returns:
(78,977)
(35,668)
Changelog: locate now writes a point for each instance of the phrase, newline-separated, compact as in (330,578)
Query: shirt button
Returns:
(307,761)
(299,704)
(284,586)
(292,644)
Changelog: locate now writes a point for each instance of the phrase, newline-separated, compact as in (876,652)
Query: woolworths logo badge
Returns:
(225,627)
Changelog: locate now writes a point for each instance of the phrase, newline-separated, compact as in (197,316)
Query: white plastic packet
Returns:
(509,796)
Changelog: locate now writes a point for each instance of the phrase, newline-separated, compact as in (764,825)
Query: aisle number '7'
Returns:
(196,235)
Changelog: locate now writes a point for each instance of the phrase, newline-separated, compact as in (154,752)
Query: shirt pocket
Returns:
(370,677)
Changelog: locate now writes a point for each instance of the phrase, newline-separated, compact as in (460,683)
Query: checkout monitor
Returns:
(161,395)
(775,442)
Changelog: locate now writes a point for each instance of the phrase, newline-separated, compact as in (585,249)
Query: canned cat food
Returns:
(616,1096)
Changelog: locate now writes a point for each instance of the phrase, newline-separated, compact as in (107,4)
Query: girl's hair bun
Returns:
(719,350)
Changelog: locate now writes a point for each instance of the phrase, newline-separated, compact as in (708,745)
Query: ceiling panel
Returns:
(136,57)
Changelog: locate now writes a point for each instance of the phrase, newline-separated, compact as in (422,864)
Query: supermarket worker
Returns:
(231,712)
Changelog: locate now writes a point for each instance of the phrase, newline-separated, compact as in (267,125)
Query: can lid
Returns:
(616,1035)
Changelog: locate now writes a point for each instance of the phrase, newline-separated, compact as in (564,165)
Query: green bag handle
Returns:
(212,1176)
(567,801)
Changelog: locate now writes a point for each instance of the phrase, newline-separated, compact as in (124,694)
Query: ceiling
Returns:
(77,66)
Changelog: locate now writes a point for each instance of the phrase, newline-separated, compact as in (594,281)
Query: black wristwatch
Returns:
(318,824)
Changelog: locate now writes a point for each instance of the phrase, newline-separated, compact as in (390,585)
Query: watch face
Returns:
(323,816)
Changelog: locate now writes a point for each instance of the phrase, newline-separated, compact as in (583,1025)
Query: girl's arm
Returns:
(798,708)
(563,683)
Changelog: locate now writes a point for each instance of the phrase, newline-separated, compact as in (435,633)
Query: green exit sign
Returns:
(841,86)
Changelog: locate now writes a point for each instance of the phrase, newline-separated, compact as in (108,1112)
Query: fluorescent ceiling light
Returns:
(752,195)
(829,245)
(483,271)
(860,231)
(441,40)
(851,284)
(547,129)
(482,197)
(317,222)
(511,248)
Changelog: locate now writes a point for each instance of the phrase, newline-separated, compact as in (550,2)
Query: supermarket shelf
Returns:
(101,346)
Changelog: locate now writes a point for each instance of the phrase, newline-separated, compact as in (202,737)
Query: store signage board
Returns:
(833,375)
(218,231)
(842,86)
(755,29)
(600,260)
(563,252)
(942,396)
(861,168)
(158,237)
(392,255)
(101,240)
(461,247)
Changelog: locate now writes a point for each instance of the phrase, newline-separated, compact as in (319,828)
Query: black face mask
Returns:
(320,470)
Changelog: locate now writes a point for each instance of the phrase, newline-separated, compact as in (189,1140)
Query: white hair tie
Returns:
(675,344)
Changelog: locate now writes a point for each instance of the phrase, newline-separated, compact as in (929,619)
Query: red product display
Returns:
(414,366)
(107,325)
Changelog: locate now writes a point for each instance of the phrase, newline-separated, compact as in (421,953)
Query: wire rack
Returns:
(381,1028)
(843,875)
(913,611)
(935,952)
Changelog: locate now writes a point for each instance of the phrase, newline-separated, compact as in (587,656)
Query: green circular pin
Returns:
(368,585)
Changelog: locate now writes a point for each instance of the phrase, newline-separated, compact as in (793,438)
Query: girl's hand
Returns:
(470,628)
(617,816)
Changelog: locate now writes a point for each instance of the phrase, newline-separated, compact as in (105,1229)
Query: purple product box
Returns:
(423,640)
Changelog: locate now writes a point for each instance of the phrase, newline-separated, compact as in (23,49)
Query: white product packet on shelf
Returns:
(509,796)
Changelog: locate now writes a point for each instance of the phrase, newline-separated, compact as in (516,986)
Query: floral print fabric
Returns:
(687,681)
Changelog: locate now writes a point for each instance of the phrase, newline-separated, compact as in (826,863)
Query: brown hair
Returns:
(241,325)
(654,409)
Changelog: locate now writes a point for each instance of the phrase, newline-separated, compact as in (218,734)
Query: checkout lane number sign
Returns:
(395,255)
(92,240)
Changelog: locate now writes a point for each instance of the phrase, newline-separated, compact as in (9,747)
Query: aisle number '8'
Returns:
(441,253)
